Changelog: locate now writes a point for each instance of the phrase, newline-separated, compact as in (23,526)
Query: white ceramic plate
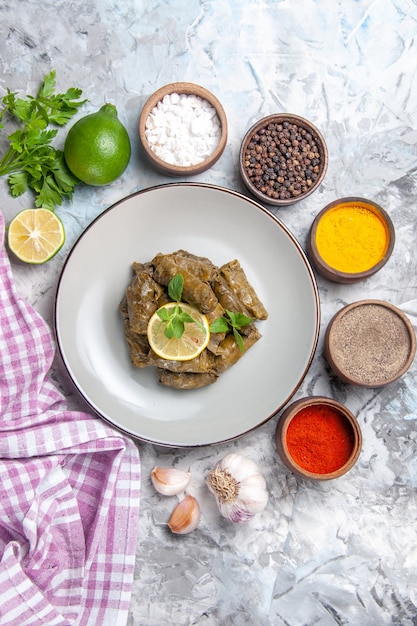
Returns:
(208,221)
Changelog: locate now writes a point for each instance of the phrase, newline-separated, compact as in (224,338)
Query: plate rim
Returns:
(258,206)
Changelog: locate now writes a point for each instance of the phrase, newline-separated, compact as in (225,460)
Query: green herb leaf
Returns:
(185,317)
(31,161)
(177,326)
(164,314)
(176,318)
(175,287)
(239,340)
(239,320)
(219,325)
(18,183)
(49,193)
(233,321)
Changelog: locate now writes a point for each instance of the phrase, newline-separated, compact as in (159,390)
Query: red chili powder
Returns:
(320,439)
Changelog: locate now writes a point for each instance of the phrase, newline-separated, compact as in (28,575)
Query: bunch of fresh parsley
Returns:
(31,161)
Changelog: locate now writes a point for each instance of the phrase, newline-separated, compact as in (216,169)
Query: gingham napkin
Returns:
(69,488)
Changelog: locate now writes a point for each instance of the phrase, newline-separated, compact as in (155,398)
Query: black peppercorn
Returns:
(283,160)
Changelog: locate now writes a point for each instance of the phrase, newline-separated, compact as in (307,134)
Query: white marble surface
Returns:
(338,552)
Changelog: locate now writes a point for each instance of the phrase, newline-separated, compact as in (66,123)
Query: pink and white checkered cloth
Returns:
(69,488)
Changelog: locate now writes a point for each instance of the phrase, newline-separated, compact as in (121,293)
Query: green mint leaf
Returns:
(169,330)
(232,320)
(175,287)
(188,319)
(185,317)
(239,320)
(175,320)
(164,314)
(177,326)
(219,325)
(239,340)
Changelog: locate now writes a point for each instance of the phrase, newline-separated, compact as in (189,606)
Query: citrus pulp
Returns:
(35,235)
(192,342)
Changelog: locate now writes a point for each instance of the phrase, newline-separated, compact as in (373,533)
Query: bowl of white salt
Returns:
(183,129)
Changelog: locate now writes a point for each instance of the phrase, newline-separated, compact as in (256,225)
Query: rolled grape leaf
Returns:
(236,279)
(201,364)
(142,297)
(185,381)
(137,344)
(195,291)
(229,352)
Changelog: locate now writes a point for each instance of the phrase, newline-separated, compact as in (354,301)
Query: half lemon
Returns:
(35,235)
(192,342)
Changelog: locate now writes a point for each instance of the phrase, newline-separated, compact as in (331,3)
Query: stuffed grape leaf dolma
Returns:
(236,279)
(229,352)
(227,297)
(137,344)
(142,296)
(201,364)
(195,291)
(215,338)
(199,266)
(189,380)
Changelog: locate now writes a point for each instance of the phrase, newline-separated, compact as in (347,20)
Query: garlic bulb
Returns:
(169,481)
(239,488)
(185,517)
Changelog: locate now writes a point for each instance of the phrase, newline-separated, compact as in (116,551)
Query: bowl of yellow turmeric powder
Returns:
(350,239)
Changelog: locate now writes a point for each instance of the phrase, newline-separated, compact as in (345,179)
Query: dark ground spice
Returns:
(283,160)
(370,343)
(320,439)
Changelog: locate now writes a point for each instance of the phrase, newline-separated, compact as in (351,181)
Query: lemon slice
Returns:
(35,235)
(191,343)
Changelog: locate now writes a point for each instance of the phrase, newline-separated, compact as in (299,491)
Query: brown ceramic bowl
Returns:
(370,343)
(322,265)
(318,443)
(292,174)
(188,89)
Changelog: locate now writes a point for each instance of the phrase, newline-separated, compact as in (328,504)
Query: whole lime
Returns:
(97,147)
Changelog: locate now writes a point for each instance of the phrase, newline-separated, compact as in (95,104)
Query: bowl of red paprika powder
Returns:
(318,438)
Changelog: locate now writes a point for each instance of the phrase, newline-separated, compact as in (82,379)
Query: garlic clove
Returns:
(169,481)
(185,517)
(253,500)
(239,466)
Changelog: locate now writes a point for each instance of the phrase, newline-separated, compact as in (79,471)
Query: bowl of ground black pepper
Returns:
(283,159)
(318,438)
(183,129)
(370,343)
(350,239)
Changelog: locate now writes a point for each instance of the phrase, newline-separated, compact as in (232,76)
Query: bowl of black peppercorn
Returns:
(283,159)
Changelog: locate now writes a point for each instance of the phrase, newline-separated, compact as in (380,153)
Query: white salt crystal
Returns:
(188,129)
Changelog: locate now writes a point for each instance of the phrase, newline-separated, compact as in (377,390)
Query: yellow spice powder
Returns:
(352,238)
